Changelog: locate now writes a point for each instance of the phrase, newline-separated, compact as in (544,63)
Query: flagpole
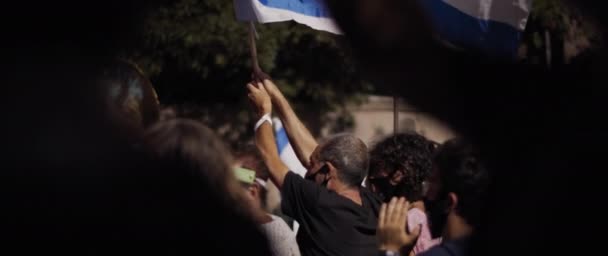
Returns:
(395,116)
(258,74)
(252,48)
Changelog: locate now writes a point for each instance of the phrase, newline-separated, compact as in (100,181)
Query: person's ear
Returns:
(254,190)
(452,201)
(332,169)
(308,165)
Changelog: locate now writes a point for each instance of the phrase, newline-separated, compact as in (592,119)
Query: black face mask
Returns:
(324,171)
(437,211)
(384,187)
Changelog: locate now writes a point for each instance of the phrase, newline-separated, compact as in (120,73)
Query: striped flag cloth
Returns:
(286,153)
(491,26)
(313,13)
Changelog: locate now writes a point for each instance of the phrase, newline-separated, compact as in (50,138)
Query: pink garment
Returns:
(417,217)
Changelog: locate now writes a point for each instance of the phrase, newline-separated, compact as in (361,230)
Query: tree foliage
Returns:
(571,34)
(197,55)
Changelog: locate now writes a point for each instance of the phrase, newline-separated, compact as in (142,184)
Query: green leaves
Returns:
(549,11)
(570,32)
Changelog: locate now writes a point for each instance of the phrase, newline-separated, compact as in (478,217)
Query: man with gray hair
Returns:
(337,216)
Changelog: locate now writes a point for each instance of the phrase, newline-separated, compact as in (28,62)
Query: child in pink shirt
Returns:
(417,217)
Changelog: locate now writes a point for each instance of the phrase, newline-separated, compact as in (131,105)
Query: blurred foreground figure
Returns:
(540,131)
(201,193)
(72,179)
(130,95)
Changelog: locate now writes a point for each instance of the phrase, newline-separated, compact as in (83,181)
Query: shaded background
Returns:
(197,56)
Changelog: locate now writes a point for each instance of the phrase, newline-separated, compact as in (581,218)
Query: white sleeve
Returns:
(281,239)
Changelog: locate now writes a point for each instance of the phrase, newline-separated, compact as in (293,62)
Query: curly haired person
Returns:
(399,164)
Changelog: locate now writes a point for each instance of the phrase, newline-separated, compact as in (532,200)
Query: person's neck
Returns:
(457,228)
(349,192)
(261,217)
(418,205)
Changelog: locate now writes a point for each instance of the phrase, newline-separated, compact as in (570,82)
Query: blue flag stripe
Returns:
(468,32)
(282,140)
(314,8)
(492,27)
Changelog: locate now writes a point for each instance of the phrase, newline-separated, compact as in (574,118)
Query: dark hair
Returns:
(349,155)
(409,152)
(194,149)
(462,172)
(202,192)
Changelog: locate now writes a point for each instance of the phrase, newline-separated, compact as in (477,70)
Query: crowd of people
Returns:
(90,161)
(406,195)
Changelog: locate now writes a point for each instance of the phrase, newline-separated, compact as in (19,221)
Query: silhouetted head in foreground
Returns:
(130,95)
(68,172)
(199,197)
(458,187)
(193,149)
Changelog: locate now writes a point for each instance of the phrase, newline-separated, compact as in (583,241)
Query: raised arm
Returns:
(300,137)
(264,135)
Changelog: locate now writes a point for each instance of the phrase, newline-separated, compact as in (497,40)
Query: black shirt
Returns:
(448,248)
(330,224)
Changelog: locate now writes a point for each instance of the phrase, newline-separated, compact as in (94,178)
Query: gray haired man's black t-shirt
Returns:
(330,224)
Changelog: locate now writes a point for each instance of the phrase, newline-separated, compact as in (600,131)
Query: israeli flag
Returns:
(313,13)
(491,26)
(288,156)
(286,153)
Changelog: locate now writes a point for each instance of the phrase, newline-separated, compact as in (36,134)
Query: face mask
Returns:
(384,187)
(324,183)
(437,211)
(322,171)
